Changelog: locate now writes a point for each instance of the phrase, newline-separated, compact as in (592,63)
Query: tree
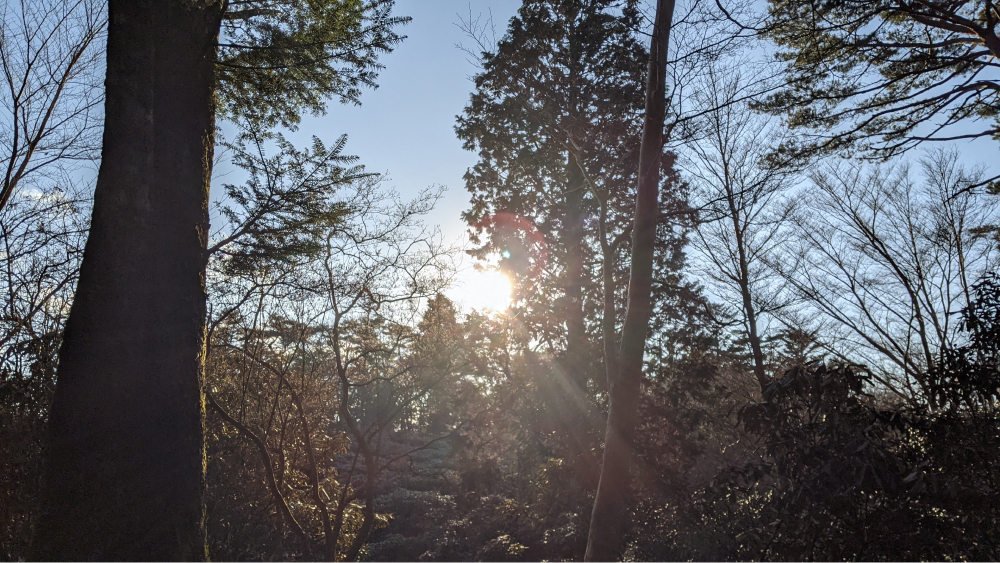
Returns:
(50,98)
(881,263)
(41,236)
(365,274)
(555,121)
(314,360)
(742,216)
(556,101)
(50,54)
(885,75)
(124,472)
(608,523)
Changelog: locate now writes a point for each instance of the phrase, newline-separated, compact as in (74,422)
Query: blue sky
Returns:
(406,126)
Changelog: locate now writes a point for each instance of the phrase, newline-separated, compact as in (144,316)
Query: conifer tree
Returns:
(885,75)
(555,120)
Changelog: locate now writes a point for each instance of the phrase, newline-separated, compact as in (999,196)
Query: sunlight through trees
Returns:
(729,289)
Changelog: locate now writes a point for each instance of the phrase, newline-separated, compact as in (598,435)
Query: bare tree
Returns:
(41,239)
(51,56)
(315,361)
(739,192)
(883,264)
(374,276)
(50,122)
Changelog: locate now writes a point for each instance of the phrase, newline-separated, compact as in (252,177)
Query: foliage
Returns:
(555,122)
(298,54)
(966,378)
(843,476)
(885,75)
(282,212)
(355,412)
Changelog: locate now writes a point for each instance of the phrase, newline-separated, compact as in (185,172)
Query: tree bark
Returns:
(125,463)
(577,363)
(608,523)
(748,308)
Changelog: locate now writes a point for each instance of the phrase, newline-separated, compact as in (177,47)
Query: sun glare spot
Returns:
(484,291)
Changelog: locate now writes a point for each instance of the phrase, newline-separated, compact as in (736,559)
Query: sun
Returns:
(487,290)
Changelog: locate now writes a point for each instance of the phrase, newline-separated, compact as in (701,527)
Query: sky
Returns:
(405,127)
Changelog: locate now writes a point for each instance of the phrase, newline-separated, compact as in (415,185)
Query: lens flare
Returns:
(484,291)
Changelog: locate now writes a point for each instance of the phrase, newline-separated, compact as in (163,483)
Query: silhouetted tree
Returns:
(739,196)
(50,55)
(608,523)
(557,100)
(885,75)
(880,261)
(125,465)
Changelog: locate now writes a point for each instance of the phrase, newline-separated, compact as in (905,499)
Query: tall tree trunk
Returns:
(125,464)
(607,523)
(572,232)
(748,308)
(577,363)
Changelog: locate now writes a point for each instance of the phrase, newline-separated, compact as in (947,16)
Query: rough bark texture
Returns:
(125,465)
(608,523)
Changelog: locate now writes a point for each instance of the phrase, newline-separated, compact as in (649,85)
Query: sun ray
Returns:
(484,291)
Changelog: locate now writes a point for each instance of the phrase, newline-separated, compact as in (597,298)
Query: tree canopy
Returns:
(299,55)
(704,321)
(885,76)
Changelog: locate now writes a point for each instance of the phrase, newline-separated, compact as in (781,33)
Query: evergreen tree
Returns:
(555,120)
(887,74)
